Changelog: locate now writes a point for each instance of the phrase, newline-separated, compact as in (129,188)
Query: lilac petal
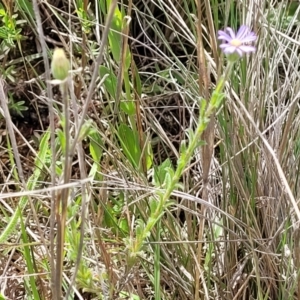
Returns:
(239,51)
(224,46)
(242,32)
(230,32)
(247,49)
(249,38)
(222,35)
(229,49)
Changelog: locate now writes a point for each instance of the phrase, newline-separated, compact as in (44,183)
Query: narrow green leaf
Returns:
(110,82)
(29,260)
(130,144)
(96,146)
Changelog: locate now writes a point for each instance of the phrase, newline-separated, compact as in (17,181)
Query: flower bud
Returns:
(60,65)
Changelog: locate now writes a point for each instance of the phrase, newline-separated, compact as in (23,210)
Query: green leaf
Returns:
(183,146)
(109,218)
(115,37)
(153,203)
(40,159)
(61,138)
(130,144)
(139,229)
(110,82)
(96,146)
(161,171)
(17,107)
(87,128)
(29,259)
(217,99)
(169,176)
(127,296)
(128,107)
(26,7)
(123,225)
(149,156)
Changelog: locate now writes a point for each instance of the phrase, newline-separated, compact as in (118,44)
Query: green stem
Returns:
(185,156)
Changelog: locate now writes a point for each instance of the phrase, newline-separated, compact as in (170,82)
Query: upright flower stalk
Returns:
(234,45)
(60,67)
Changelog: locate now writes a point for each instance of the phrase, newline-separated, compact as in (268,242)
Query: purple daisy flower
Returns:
(237,42)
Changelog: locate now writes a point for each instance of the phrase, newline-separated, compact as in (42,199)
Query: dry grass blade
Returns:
(9,124)
(209,133)
(128,203)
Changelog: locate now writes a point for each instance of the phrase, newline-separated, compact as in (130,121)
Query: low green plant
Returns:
(10,31)
(171,179)
(83,16)
(17,107)
(30,283)
(31,185)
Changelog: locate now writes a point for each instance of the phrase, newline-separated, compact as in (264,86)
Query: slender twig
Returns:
(208,137)
(63,197)
(52,139)
(6,114)
(83,175)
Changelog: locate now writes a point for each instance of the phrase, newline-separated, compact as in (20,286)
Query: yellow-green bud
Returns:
(60,65)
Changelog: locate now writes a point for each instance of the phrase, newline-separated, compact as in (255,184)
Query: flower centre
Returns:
(235,42)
